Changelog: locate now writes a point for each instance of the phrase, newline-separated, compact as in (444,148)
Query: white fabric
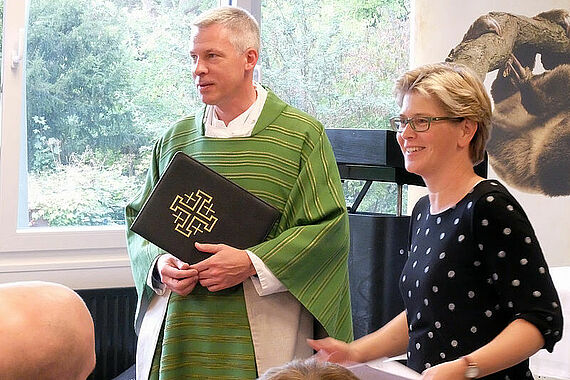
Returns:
(280,326)
(557,364)
(159,288)
(151,325)
(241,126)
(148,334)
(265,282)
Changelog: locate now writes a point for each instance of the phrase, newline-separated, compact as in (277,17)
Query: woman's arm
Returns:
(517,342)
(389,340)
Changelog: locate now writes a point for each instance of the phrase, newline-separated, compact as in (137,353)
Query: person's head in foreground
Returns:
(309,369)
(46,332)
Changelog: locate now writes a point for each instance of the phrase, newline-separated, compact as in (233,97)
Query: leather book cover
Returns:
(193,203)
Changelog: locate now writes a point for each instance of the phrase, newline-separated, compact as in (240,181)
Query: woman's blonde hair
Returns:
(459,91)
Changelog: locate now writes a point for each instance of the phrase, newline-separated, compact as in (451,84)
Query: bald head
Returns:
(46,332)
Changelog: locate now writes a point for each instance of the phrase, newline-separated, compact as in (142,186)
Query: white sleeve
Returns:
(265,281)
(154,283)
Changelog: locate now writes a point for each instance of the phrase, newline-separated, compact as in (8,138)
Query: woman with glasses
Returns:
(478,295)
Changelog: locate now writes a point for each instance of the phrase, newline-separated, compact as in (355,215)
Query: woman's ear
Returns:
(467,132)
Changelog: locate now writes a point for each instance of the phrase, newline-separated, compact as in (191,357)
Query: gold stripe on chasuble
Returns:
(312,182)
(309,121)
(268,178)
(206,335)
(336,191)
(290,173)
(293,134)
(286,165)
(292,146)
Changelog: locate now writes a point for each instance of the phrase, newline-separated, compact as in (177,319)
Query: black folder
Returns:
(193,203)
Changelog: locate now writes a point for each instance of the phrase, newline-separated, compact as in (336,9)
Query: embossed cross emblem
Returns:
(193,213)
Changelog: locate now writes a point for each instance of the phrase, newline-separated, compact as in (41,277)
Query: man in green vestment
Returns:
(240,312)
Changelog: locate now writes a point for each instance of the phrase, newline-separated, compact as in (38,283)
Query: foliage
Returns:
(336,60)
(160,78)
(380,198)
(106,77)
(46,150)
(87,191)
(374,11)
(76,72)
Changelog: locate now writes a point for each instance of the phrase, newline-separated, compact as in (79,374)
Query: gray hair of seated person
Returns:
(309,369)
(242,25)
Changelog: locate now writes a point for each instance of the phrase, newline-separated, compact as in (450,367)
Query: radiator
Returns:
(113,312)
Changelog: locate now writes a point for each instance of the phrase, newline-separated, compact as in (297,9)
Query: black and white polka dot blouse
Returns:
(471,270)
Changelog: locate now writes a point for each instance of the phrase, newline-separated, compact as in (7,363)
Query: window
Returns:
(97,82)
(103,80)
(337,60)
(88,85)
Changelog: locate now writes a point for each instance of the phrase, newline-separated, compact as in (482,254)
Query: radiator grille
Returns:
(113,312)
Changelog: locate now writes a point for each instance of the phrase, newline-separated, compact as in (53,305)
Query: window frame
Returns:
(82,256)
(79,257)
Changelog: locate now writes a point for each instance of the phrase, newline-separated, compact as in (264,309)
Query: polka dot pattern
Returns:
(471,270)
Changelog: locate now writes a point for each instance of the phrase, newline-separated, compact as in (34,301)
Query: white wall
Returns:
(438,26)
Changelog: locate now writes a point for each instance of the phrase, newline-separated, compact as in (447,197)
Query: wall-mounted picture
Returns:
(529,147)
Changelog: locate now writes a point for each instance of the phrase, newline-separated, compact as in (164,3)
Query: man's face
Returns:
(218,69)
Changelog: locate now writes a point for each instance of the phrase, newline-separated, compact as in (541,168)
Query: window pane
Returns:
(104,79)
(381,198)
(338,61)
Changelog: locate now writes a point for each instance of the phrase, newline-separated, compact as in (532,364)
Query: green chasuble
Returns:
(288,162)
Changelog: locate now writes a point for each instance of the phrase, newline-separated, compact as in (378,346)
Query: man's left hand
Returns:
(227,267)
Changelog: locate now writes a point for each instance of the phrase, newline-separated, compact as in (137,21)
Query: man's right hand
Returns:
(176,274)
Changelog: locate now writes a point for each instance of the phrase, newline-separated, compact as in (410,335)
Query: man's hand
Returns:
(227,266)
(176,274)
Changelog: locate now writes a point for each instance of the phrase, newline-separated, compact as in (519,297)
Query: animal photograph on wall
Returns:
(529,147)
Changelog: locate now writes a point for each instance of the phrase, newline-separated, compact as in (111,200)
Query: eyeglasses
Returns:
(418,123)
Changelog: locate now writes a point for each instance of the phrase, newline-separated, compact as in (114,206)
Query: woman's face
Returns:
(427,153)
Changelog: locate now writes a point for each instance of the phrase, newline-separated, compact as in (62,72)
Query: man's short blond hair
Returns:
(459,91)
(242,25)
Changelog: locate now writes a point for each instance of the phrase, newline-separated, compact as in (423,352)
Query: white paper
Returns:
(383,369)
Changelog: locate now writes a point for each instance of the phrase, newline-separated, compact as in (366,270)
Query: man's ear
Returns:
(251,57)
(468,130)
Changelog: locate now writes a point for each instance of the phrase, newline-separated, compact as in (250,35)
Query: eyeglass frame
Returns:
(410,121)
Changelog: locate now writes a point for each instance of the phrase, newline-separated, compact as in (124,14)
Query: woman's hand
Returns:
(453,370)
(333,350)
